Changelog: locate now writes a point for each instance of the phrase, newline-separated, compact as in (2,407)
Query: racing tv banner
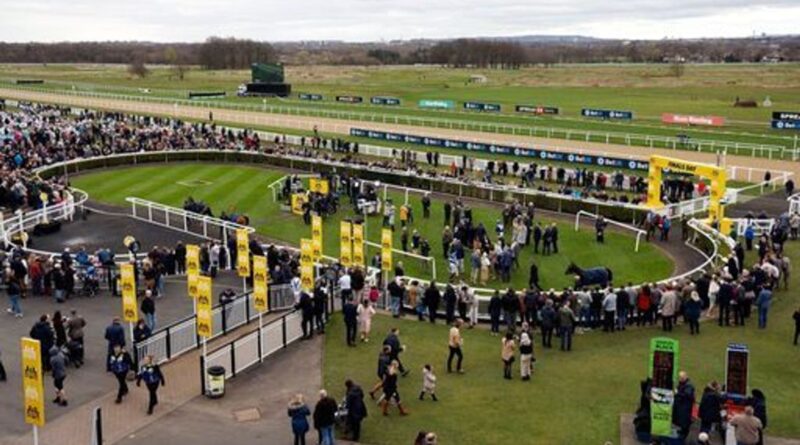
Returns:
(683,119)
(437,104)
(607,114)
(350,99)
(383,100)
(310,96)
(480,106)
(543,155)
(535,109)
(786,115)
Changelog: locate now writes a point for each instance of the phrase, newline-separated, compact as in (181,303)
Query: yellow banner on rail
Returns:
(306,264)
(358,245)
(316,237)
(32,381)
(318,185)
(205,327)
(192,269)
(298,199)
(345,238)
(130,311)
(242,253)
(386,249)
(260,284)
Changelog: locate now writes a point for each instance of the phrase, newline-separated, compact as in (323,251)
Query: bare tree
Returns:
(137,68)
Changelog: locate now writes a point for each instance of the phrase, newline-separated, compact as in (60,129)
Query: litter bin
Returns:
(216,382)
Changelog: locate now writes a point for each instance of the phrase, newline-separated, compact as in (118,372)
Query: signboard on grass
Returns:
(607,114)
(437,104)
(480,106)
(535,109)
(384,100)
(663,371)
(350,99)
(786,125)
(737,375)
(684,119)
(786,115)
(310,96)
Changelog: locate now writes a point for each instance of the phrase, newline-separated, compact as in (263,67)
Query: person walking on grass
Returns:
(393,340)
(391,390)
(763,301)
(356,410)
(58,365)
(455,342)
(298,411)
(120,364)
(525,356)
(325,418)
(153,378)
(350,313)
(796,317)
(428,383)
(384,360)
(508,346)
(365,312)
(692,310)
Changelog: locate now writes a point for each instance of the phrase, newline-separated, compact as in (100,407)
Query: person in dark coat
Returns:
(325,417)
(537,237)
(759,403)
(58,364)
(153,378)
(447,209)
(450,304)
(120,363)
(432,298)
(306,308)
(356,409)
(709,412)
(692,309)
(684,402)
(495,309)
(548,315)
(298,411)
(350,313)
(533,277)
(43,332)
(393,340)
(320,297)
(115,336)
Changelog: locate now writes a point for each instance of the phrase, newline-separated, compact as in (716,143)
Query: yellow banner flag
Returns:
(242,253)
(298,199)
(306,264)
(319,186)
(192,269)
(316,237)
(345,249)
(130,311)
(260,284)
(358,245)
(32,381)
(204,319)
(386,250)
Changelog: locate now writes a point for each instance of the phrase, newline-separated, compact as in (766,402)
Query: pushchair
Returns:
(90,284)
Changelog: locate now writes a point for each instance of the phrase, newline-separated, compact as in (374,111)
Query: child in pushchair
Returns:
(90,284)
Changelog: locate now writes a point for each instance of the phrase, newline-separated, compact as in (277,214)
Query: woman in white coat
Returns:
(365,313)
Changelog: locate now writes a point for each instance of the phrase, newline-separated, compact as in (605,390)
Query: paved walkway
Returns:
(90,381)
(262,391)
(119,421)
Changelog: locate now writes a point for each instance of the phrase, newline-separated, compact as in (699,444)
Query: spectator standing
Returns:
(525,356)
(325,418)
(747,426)
(356,409)
(14,291)
(365,312)
(350,313)
(43,332)
(148,308)
(153,378)
(455,343)
(298,411)
(508,346)
(115,336)
(120,363)
(763,301)
(566,326)
(692,311)
(58,366)
(796,317)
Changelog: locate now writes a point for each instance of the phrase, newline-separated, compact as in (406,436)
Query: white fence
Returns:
(760,226)
(639,233)
(23,221)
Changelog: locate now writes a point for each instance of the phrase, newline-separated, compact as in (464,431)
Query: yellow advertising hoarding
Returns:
(298,199)
(204,320)
(345,249)
(316,237)
(32,381)
(130,311)
(192,269)
(386,250)
(260,284)
(319,185)
(306,264)
(358,245)
(242,253)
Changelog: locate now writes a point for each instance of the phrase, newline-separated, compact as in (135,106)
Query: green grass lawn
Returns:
(648,90)
(244,189)
(574,398)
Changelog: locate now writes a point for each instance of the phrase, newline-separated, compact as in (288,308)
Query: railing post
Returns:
(169,343)
(202,375)
(233,358)
(224,319)
(283,330)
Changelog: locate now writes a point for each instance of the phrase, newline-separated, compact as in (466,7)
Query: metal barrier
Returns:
(760,226)
(181,336)
(639,232)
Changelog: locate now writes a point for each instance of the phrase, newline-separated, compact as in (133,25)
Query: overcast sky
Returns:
(370,20)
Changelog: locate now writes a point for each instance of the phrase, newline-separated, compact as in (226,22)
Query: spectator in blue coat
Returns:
(692,310)
(763,301)
(115,336)
(298,411)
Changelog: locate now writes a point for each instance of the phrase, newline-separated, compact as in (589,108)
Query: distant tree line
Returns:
(232,53)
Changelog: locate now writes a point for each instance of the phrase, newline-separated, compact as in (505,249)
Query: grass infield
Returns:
(243,189)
